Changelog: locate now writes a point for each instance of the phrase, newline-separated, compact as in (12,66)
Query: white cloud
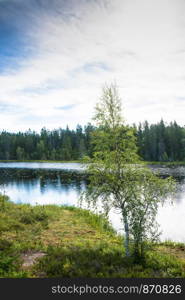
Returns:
(138,43)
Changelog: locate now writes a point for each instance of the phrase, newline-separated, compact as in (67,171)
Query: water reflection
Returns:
(63,187)
(42,186)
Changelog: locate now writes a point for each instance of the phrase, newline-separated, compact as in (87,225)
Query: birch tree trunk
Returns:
(126,242)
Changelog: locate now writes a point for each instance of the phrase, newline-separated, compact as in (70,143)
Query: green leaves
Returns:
(108,110)
(116,178)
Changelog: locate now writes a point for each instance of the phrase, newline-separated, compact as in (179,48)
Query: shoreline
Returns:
(174,163)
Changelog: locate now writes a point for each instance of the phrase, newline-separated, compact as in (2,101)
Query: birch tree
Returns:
(116,180)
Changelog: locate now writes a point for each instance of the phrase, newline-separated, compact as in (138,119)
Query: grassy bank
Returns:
(51,241)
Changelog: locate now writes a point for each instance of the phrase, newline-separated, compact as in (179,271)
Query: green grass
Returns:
(76,243)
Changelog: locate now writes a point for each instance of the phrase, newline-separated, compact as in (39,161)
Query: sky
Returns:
(55,57)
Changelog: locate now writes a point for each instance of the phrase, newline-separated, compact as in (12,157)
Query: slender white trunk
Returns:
(126,241)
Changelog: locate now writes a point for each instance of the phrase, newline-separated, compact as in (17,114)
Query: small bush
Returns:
(7,223)
(3,201)
(33,215)
(9,259)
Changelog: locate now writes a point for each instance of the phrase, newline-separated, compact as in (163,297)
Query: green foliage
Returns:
(165,265)
(81,261)
(30,216)
(146,191)
(107,110)
(9,258)
(161,142)
(61,144)
(107,261)
(117,181)
(3,202)
(156,142)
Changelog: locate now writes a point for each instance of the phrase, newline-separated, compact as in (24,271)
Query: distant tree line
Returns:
(161,142)
(60,144)
(156,142)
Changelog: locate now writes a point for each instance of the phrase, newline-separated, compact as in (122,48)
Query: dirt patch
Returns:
(30,258)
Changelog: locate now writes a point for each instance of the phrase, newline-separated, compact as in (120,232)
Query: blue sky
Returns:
(55,57)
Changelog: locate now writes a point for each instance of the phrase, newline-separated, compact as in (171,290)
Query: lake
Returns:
(62,183)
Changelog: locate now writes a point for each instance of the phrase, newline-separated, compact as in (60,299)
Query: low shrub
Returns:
(33,215)
(9,259)
(81,261)
(103,260)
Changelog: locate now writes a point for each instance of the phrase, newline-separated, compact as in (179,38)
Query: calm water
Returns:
(62,183)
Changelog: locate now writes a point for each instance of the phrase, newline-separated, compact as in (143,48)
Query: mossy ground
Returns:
(75,243)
